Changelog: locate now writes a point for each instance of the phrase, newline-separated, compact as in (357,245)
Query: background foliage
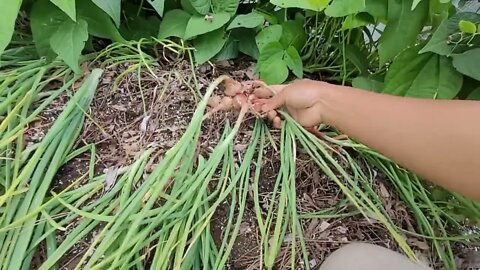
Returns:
(419,48)
(405,47)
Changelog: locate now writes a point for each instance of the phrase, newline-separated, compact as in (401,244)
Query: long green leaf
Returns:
(402,28)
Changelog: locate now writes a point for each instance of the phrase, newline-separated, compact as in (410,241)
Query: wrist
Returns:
(328,99)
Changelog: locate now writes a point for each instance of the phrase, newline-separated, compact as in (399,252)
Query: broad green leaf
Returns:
(273,49)
(111,7)
(367,83)
(201,6)
(357,20)
(208,45)
(426,75)
(10,10)
(136,26)
(269,17)
(403,70)
(174,24)
(140,27)
(357,57)
(377,8)
(467,27)
(45,18)
(294,61)
(248,47)
(438,42)
(246,41)
(340,8)
(315,5)
(229,6)
(459,41)
(198,25)
(67,6)
(274,71)
(229,50)
(402,29)
(68,42)
(99,23)
(158,5)
(187,6)
(437,79)
(293,34)
(268,35)
(250,20)
(468,63)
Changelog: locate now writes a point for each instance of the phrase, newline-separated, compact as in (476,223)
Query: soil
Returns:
(153,112)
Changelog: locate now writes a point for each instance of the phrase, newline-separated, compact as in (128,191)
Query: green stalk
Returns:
(38,174)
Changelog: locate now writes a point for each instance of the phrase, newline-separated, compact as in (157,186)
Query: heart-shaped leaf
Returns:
(269,34)
(246,41)
(271,66)
(45,18)
(229,50)
(99,23)
(229,6)
(201,6)
(67,6)
(158,5)
(208,45)
(293,34)
(438,42)
(249,20)
(357,20)
(341,8)
(68,42)
(174,24)
(268,51)
(111,7)
(467,63)
(294,61)
(198,25)
(315,5)
(274,71)
(425,75)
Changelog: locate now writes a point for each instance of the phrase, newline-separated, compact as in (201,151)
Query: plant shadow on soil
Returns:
(126,120)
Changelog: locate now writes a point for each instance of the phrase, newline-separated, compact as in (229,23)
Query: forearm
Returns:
(439,140)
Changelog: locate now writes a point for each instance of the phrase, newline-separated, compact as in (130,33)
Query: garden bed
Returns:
(123,124)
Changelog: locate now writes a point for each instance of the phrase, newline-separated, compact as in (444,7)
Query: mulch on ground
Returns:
(153,111)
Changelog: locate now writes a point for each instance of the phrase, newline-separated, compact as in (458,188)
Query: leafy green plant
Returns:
(418,48)
(57,34)
(347,40)
(431,67)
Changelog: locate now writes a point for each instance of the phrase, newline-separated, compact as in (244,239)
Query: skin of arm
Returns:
(437,139)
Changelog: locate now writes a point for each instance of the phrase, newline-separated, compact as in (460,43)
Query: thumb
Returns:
(274,103)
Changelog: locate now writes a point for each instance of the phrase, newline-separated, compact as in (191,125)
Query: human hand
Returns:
(302,99)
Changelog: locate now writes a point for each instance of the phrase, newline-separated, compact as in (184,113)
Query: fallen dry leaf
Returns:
(110,178)
(323,226)
(144,123)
